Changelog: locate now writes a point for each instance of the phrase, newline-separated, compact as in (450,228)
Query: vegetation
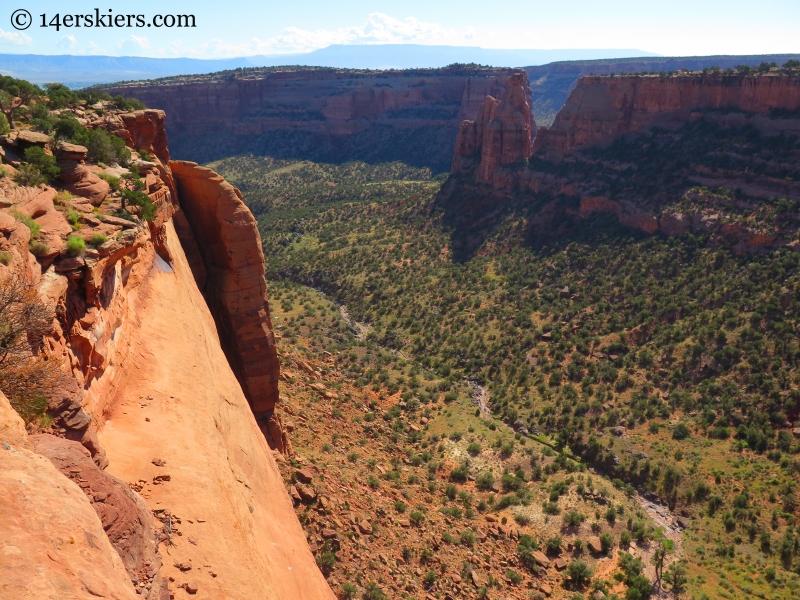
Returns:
(688,349)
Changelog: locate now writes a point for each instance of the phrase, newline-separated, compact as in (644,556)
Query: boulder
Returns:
(76,176)
(124,515)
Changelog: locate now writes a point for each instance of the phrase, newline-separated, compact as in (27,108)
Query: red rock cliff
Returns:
(153,401)
(500,135)
(321,103)
(600,109)
(232,279)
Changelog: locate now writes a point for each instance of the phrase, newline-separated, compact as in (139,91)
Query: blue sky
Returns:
(227,29)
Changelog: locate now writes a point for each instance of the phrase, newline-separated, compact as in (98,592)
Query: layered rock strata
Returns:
(601,109)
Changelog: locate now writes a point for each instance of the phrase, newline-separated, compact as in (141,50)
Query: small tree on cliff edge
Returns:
(25,376)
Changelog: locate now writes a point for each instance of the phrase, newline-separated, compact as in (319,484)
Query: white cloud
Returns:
(14,38)
(93,50)
(379,29)
(66,42)
(134,43)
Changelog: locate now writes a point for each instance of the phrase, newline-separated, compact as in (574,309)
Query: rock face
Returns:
(125,517)
(233,280)
(316,112)
(601,109)
(144,376)
(78,179)
(501,134)
(54,545)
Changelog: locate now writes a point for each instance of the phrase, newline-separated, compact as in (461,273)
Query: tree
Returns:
(579,572)
(15,93)
(675,577)
(24,321)
(664,547)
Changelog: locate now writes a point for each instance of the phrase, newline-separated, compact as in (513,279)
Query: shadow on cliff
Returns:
(475,213)
(430,147)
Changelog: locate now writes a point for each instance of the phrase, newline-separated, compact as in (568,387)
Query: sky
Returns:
(252,27)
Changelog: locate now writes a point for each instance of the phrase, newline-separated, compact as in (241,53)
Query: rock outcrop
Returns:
(77,177)
(501,134)
(232,279)
(125,517)
(133,336)
(53,543)
(601,109)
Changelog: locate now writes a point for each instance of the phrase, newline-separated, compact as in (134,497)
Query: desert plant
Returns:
(24,320)
(75,245)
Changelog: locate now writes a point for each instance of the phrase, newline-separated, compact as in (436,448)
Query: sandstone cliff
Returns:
(326,114)
(601,109)
(678,138)
(501,134)
(145,392)
(232,279)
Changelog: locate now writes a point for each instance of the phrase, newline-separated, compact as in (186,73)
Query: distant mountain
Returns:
(81,71)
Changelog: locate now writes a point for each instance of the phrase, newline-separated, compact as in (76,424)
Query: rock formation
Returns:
(123,514)
(601,109)
(76,176)
(320,109)
(501,134)
(232,279)
(147,394)
(54,545)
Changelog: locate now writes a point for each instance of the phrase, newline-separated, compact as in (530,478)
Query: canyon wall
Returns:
(153,449)
(600,109)
(697,118)
(327,114)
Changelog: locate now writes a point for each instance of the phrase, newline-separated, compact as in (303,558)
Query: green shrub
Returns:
(474,449)
(6,258)
(349,591)
(326,561)
(98,239)
(485,481)
(41,161)
(579,572)
(75,245)
(28,175)
(38,249)
(34,227)
(680,432)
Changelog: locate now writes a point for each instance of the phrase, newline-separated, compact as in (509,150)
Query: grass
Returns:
(75,245)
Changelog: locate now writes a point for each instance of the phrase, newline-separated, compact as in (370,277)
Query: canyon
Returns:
(594,156)
(161,355)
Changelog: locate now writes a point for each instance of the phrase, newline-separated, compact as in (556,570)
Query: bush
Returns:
(349,591)
(553,544)
(42,162)
(29,175)
(38,249)
(460,474)
(474,449)
(417,516)
(98,239)
(485,481)
(32,225)
(373,592)
(75,245)
(573,518)
(6,258)
(326,561)
(24,321)
(680,432)
(607,541)
(579,572)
